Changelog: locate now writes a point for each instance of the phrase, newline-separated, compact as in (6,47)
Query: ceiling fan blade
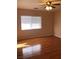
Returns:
(53,3)
(41,3)
(53,6)
(56,2)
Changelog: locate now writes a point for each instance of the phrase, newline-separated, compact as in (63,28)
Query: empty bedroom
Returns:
(38,29)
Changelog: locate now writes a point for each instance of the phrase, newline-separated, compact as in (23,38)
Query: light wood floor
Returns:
(40,48)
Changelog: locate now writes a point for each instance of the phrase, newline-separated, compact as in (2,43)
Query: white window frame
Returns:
(31,21)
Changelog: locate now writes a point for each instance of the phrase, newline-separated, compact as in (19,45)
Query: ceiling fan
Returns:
(49,5)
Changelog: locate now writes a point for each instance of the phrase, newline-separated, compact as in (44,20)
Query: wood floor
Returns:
(40,48)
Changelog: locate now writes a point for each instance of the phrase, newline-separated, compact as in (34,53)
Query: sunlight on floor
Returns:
(31,51)
(22,45)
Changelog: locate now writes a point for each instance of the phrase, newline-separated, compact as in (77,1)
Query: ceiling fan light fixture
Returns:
(48,3)
(48,8)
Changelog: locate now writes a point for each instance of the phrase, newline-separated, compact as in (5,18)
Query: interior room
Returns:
(38,29)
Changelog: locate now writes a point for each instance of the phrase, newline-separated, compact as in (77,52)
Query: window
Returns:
(30,22)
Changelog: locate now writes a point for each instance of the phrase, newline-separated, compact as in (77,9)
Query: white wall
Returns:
(57,23)
(47,24)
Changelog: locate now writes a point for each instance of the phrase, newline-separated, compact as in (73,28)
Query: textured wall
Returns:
(47,24)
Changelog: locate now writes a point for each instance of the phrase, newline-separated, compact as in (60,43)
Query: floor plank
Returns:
(40,48)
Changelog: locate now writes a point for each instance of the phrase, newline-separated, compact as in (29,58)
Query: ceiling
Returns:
(33,4)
